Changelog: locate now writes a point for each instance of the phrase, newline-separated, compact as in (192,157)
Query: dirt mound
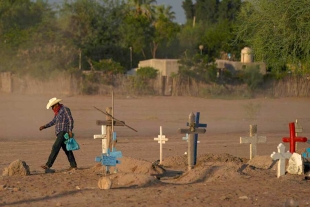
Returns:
(131,165)
(138,166)
(131,173)
(182,161)
(121,180)
(262,162)
(17,167)
(219,167)
(208,172)
(221,158)
(175,161)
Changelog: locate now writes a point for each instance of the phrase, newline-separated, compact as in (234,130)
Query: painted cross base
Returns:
(110,158)
(281,156)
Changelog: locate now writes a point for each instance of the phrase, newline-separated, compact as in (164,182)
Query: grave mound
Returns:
(17,167)
(121,180)
(262,162)
(138,166)
(181,161)
(131,173)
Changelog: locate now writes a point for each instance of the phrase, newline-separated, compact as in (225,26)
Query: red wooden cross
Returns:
(293,139)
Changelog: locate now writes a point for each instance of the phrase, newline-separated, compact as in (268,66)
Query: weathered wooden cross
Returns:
(108,123)
(197,125)
(293,138)
(161,140)
(298,129)
(281,155)
(253,140)
(191,131)
(186,139)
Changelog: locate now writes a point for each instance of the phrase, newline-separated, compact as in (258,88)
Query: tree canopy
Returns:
(279,33)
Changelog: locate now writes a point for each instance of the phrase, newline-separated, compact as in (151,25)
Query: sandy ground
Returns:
(223,175)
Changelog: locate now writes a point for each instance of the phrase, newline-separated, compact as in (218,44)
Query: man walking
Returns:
(63,122)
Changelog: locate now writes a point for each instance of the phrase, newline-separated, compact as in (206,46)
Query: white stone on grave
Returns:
(161,140)
(295,164)
(103,136)
(281,155)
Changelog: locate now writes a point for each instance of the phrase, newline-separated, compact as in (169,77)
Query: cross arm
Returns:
(188,131)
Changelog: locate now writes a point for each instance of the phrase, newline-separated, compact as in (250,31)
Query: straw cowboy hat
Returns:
(52,102)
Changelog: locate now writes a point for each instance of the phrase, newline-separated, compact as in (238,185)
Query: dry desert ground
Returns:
(223,175)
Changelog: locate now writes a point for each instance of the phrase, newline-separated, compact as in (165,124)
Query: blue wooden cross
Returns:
(110,158)
(197,125)
(306,154)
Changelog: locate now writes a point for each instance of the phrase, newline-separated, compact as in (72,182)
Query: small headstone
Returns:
(17,167)
(104,183)
(295,164)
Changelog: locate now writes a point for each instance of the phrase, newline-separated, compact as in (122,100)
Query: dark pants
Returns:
(60,143)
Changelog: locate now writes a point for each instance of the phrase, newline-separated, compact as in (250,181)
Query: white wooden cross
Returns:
(161,140)
(253,139)
(281,156)
(103,136)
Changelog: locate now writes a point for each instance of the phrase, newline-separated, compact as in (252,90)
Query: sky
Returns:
(176,7)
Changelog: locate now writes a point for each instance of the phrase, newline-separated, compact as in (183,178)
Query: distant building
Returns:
(165,67)
(168,66)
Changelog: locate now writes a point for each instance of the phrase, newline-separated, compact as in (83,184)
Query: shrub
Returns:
(147,73)
(252,77)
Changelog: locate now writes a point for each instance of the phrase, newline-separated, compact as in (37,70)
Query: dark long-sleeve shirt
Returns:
(63,121)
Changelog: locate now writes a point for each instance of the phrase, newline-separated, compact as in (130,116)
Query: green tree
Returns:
(142,7)
(92,27)
(199,67)
(189,9)
(279,33)
(206,11)
(27,33)
(228,10)
(136,32)
(165,29)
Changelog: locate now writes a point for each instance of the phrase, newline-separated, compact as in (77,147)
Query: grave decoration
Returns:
(281,155)
(161,140)
(108,135)
(293,138)
(253,140)
(191,131)
(109,158)
(307,153)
